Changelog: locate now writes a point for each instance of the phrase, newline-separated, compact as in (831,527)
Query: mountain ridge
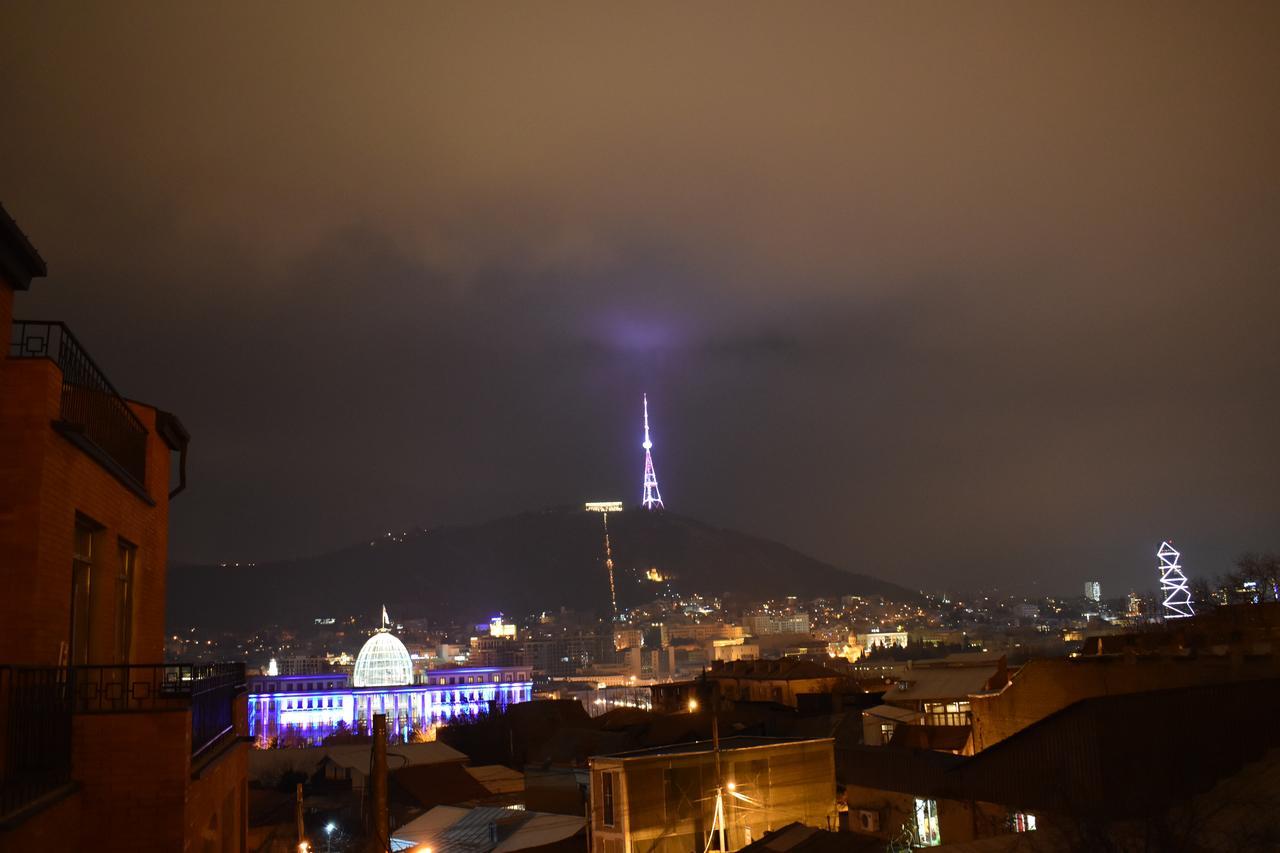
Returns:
(519,564)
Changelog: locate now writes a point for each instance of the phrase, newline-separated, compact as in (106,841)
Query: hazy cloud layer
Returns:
(957,295)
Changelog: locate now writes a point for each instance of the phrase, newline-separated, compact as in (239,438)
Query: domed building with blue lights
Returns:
(309,708)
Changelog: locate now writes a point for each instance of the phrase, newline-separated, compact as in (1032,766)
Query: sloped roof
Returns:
(930,683)
(497,778)
(431,785)
(893,712)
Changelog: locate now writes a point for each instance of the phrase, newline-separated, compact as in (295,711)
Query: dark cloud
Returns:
(958,296)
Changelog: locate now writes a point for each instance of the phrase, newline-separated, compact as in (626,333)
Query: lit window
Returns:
(1024,822)
(927,834)
(606,799)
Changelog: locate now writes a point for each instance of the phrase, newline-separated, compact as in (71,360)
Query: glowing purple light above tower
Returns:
(652,497)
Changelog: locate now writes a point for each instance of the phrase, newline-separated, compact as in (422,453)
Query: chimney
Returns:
(380,818)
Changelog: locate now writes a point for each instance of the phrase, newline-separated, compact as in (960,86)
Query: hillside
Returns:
(521,564)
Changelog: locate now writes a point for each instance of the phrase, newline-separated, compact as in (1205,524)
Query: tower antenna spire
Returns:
(652,497)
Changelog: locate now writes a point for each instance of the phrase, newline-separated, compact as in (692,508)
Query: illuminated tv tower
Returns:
(1173,584)
(652,497)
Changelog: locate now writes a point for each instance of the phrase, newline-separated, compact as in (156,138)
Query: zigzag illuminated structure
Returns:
(1173,584)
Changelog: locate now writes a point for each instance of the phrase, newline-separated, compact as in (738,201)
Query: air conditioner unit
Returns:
(868,821)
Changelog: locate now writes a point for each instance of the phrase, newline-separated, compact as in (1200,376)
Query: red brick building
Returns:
(103,746)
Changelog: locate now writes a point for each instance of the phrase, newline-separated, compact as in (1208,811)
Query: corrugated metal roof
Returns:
(447,828)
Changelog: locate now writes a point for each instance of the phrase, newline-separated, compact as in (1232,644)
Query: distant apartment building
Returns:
(732,650)
(882,639)
(1026,610)
(1093,590)
(106,747)
(497,651)
(627,638)
(678,798)
(764,624)
(702,632)
(570,654)
(309,665)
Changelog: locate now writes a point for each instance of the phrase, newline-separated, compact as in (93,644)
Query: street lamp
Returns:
(693,705)
(328,831)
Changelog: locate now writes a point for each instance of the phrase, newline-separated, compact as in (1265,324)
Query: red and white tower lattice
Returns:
(652,497)
(1173,584)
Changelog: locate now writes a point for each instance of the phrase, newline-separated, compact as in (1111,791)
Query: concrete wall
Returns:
(217,804)
(52,829)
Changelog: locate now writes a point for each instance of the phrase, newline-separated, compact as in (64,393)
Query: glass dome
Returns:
(383,662)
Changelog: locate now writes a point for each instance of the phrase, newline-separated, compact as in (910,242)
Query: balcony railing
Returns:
(91,407)
(35,720)
(37,704)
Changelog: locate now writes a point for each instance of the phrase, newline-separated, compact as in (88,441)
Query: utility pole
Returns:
(719,817)
(297,813)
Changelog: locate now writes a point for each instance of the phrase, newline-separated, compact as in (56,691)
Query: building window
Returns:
(82,554)
(927,834)
(947,713)
(886,732)
(1024,822)
(124,600)
(607,816)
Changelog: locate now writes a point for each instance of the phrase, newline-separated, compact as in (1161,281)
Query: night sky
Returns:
(955,294)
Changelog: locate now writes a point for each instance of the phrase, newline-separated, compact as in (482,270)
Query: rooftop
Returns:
(19,260)
(947,679)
